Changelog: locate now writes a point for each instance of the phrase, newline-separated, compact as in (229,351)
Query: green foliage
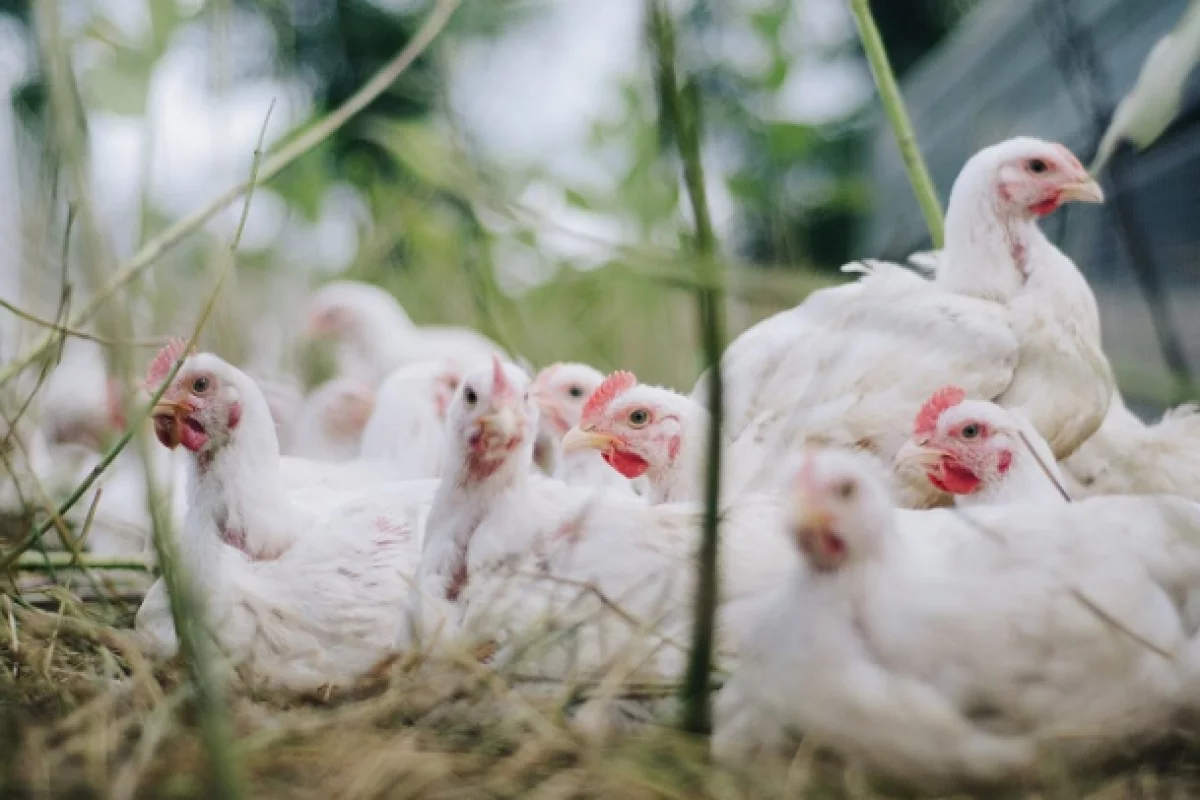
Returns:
(1154,102)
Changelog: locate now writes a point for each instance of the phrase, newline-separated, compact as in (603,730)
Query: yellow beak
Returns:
(503,422)
(1084,190)
(811,518)
(580,439)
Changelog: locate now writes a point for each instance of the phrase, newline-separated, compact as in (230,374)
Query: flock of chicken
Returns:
(910,571)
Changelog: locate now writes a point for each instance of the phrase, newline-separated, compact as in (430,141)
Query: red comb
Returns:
(160,367)
(927,417)
(613,385)
(500,385)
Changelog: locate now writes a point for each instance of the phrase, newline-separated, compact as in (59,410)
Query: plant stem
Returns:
(187,610)
(893,106)
(31,561)
(680,116)
(170,237)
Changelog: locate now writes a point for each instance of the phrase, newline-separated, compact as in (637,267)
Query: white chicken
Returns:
(1008,317)
(330,424)
(407,426)
(375,336)
(285,400)
(79,403)
(946,647)
(1127,456)
(25,459)
(514,547)
(300,589)
(981,453)
(562,392)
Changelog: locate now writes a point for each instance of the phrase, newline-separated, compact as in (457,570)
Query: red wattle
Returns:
(628,464)
(192,435)
(956,479)
(1047,206)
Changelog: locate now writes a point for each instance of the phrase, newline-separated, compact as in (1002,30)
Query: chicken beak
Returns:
(168,419)
(1083,190)
(503,424)
(919,453)
(810,521)
(584,439)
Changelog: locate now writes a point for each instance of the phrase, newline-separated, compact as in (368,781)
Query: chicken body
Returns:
(946,648)
(300,589)
(407,428)
(1007,317)
(330,423)
(1127,456)
(374,335)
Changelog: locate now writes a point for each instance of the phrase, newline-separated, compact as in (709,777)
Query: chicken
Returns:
(652,432)
(1127,456)
(562,392)
(1008,318)
(301,589)
(407,427)
(979,452)
(330,424)
(286,401)
(375,336)
(79,403)
(507,543)
(25,459)
(943,648)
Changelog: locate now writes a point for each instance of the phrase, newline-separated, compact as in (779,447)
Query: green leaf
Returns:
(164,16)
(789,141)
(304,183)
(421,149)
(578,200)
(769,21)
(1154,102)
(777,74)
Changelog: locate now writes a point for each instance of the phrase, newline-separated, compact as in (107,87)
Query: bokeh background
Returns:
(513,180)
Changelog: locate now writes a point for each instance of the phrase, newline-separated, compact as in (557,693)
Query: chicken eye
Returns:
(575,391)
(200,385)
(639,417)
(970,431)
(1037,166)
(469,396)
(847,489)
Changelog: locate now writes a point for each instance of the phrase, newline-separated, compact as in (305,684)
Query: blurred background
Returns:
(513,180)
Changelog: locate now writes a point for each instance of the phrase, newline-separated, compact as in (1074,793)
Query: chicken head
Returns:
(838,508)
(492,419)
(637,429)
(977,448)
(203,405)
(561,390)
(1035,177)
